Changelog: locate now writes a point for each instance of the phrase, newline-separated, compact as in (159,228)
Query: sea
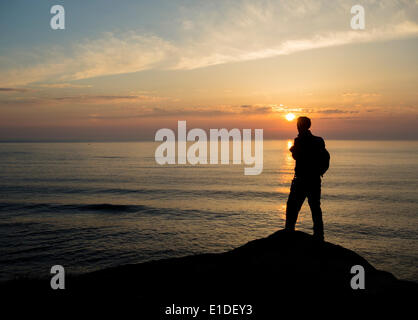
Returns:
(90,206)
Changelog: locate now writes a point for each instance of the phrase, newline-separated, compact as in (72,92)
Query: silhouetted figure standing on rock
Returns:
(312,161)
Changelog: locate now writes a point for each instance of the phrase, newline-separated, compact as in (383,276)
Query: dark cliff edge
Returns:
(282,267)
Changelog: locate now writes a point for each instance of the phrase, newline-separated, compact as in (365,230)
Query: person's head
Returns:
(304,123)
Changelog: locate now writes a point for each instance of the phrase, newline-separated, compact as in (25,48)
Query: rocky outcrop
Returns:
(282,267)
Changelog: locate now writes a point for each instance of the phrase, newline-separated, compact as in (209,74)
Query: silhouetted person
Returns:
(312,161)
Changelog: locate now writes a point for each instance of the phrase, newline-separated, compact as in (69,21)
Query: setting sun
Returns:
(290,116)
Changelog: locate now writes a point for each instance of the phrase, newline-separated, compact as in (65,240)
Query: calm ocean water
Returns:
(89,206)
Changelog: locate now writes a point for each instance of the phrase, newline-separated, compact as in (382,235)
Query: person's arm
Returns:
(295,149)
(322,144)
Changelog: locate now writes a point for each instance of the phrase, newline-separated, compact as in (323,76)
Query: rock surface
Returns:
(282,267)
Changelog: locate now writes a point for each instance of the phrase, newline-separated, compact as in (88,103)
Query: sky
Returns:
(121,70)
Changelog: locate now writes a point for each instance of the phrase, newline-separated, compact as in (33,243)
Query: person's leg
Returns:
(294,203)
(314,200)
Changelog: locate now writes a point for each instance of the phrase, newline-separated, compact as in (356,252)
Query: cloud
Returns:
(207,34)
(220,111)
(255,109)
(64,85)
(111,99)
(205,112)
(13,90)
(109,54)
(336,111)
(87,99)
(362,95)
(284,109)
(300,111)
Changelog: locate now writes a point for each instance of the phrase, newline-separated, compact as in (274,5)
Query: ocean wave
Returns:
(197,193)
(52,207)
(154,192)
(105,208)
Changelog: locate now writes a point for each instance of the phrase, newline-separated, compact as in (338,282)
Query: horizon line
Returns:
(148,140)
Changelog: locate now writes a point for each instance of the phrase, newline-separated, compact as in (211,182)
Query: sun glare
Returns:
(290,116)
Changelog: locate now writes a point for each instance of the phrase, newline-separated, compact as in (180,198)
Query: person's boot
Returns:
(289,227)
(318,237)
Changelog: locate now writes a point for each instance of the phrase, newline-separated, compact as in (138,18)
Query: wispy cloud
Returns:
(64,85)
(13,90)
(362,95)
(336,111)
(281,109)
(108,55)
(108,99)
(224,110)
(211,35)
(87,99)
